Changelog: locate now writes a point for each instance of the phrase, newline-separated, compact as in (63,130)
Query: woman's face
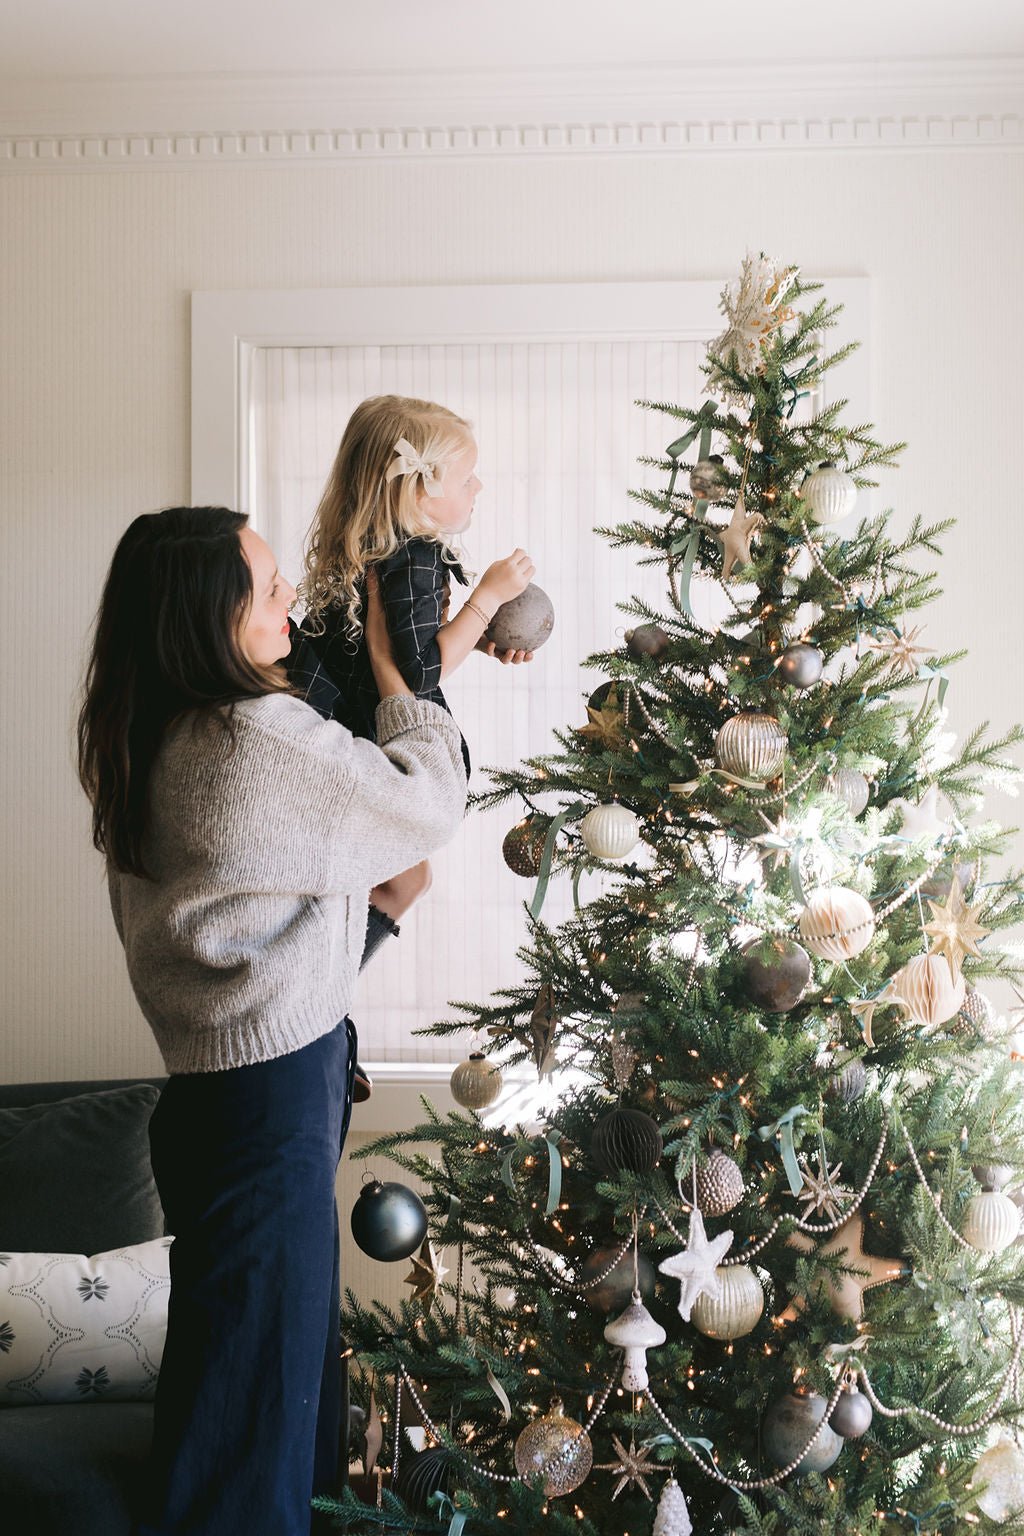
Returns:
(263,635)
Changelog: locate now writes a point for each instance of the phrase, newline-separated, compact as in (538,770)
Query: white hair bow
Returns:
(409,462)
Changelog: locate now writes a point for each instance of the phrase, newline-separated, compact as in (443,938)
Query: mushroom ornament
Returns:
(635,1332)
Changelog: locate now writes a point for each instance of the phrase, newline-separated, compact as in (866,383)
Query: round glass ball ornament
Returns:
(555,1452)
(610,831)
(837,923)
(829,494)
(647,640)
(801,665)
(708,481)
(751,746)
(790,1423)
(931,991)
(999,1473)
(847,1081)
(851,1417)
(476,1082)
(850,787)
(524,623)
(991,1222)
(719,1184)
(626,1140)
(523,847)
(423,1475)
(992,1175)
(389,1221)
(775,972)
(734,1312)
(607,1286)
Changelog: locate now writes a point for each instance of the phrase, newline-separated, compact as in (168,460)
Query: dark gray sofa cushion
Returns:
(75,1174)
(73,1468)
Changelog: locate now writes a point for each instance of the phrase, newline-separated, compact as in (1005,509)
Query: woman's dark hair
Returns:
(166,642)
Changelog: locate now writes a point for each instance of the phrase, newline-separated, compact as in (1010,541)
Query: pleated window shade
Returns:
(559,436)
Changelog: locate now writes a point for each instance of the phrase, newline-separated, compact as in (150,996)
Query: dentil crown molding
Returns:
(227,120)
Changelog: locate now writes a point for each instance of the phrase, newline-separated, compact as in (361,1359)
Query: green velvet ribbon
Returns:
(783,1129)
(930,673)
(687,544)
(548,853)
(440,1504)
(551,1140)
(500,1393)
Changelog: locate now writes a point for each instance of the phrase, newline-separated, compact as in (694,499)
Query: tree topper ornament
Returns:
(754,307)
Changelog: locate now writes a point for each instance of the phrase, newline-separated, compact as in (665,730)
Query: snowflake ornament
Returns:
(631,1466)
(820,1195)
(754,308)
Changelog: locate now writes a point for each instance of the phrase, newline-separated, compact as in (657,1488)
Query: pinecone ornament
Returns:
(719,1184)
(673,1517)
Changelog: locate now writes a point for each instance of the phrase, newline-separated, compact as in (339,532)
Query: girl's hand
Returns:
(378,643)
(505,579)
(505,657)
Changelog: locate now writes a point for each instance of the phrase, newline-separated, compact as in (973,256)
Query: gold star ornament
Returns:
(844,1290)
(632,1466)
(954,928)
(606,725)
(735,539)
(427,1274)
(899,649)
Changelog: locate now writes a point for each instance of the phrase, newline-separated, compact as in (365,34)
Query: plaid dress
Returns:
(331,670)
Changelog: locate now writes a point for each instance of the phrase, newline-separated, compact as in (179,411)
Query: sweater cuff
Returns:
(401,713)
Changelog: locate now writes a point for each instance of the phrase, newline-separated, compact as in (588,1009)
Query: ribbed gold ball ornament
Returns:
(837,923)
(991,1222)
(556,1449)
(851,787)
(751,746)
(719,1184)
(734,1312)
(610,831)
(476,1082)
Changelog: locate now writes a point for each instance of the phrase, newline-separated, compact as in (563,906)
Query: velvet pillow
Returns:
(75,1175)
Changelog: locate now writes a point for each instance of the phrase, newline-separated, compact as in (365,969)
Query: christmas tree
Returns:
(755,1270)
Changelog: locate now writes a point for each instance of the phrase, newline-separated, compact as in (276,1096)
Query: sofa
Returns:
(75,1178)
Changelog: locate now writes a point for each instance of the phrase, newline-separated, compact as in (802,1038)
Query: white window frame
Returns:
(228,325)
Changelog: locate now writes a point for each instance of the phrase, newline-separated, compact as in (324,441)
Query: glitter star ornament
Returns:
(845,1291)
(696,1267)
(898,647)
(606,723)
(426,1275)
(954,928)
(632,1466)
(820,1195)
(928,820)
(735,539)
(673,1517)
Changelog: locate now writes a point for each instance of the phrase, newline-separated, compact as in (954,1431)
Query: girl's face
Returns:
(452,512)
(263,635)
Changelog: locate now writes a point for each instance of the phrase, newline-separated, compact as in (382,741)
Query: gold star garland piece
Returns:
(606,725)
(631,1466)
(735,539)
(427,1274)
(954,928)
(820,1196)
(900,651)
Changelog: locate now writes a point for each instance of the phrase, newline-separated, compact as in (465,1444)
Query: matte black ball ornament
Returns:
(647,640)
(801,665)
(775,973)
(614,1290)
(425,1474)
(389,1221)
(524,622)
(626,1141)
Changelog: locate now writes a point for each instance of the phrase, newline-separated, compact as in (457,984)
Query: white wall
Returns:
(96,274)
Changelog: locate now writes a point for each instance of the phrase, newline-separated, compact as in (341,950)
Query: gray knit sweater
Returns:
(246,944)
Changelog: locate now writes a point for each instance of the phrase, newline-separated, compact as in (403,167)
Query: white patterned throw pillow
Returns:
(83,1330)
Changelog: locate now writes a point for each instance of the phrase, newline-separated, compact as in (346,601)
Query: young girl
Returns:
(402,487)
(242,834)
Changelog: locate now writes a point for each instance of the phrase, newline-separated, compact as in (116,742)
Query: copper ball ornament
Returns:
(614,1289)
(523,846)
(751,746)
(801,665)
(389,1221)
(554,1452)
(476,1082)
(626,1141)
(790,1423)
(775,972)
(524,623)
(647,640)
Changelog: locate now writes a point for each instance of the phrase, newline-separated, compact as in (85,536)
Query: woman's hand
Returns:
(504,580)
(378,643)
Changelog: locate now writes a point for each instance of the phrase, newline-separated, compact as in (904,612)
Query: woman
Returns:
(243,834)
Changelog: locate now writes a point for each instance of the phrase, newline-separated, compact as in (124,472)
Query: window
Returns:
(549,376)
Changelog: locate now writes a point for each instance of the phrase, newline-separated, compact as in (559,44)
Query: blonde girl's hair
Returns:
(363,516)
